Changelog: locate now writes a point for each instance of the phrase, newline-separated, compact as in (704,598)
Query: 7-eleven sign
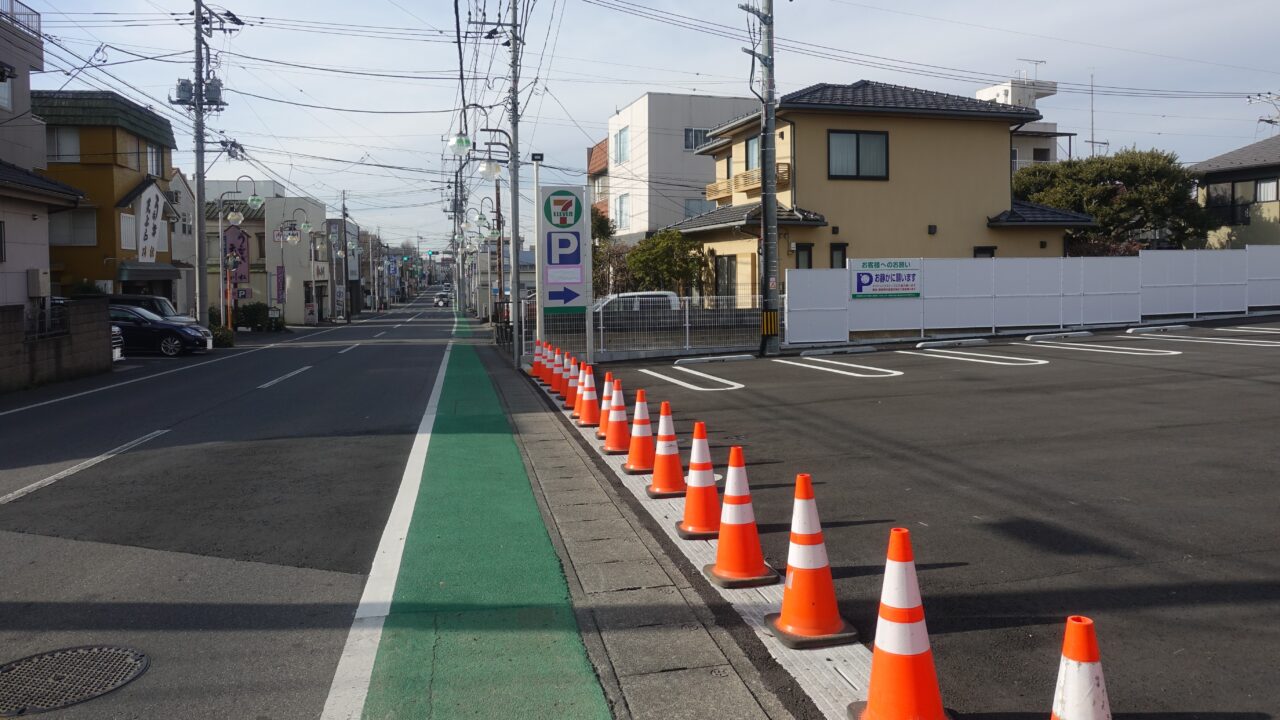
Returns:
(563,208)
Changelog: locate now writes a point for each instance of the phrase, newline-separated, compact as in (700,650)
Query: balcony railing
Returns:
(20,16)
(751,179)
(719,189)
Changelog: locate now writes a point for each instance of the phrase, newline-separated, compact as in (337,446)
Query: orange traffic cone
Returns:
(544,371)
(1081,693)
(640,453)
(536,366)
(589,410)
(553,372)
(904,683)
(577,398)
(562,375)
(739,559)
(701,502)
(809,616)
(606,404)
(571,385)
(617,438)
(668,472)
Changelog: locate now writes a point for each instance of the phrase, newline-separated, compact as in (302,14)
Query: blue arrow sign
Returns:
(564,295)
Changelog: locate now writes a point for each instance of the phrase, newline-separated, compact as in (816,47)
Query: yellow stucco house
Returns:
(1241,188)
(872,170)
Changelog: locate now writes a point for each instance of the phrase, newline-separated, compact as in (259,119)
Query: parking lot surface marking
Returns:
(1113,349)
(353,347)
(1008,360)
(1271,331)
(1241,342)
(729,384)
(875,372)
(284,377)
(21,492)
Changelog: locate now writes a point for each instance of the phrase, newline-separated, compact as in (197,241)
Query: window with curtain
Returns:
(839,253)
(62,144)
(622,145)
(753,152)
(804,256)
(697,206)
(622,211)
(1265,191)
(857,155)
(694,138)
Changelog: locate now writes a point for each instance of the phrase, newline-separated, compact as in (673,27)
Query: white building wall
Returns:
(277,211)
(661,174)
(26,241)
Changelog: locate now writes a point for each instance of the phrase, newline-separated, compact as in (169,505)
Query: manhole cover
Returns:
(60,678)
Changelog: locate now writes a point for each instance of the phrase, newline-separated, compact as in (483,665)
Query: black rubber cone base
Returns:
(857,708)
(688,535)
(733,583)
(844,636)
(664,494)
(607,451)
(636,471)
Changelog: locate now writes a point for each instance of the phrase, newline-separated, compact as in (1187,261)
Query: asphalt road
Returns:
(1139,489)
(232,544)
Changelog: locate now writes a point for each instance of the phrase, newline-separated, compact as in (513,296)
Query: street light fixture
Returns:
(459,144)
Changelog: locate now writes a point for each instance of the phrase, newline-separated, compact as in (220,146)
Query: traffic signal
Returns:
(404,258)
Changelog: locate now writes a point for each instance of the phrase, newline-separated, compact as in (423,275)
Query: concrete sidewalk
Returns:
(653,638)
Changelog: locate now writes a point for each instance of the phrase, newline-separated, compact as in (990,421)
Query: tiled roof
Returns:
(1025,213)
(598,158)
(13,176)
(1260,154)
(876,97)
(81,108)
(211,209)
(737,215)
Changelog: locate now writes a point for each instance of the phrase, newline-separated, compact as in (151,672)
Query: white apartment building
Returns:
(1035,142)
(655,179)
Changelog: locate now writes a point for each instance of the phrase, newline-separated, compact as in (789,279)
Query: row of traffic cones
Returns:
(904,684)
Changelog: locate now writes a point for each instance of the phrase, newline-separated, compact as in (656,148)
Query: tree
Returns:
(609,273)
(1136,196)
(667,261)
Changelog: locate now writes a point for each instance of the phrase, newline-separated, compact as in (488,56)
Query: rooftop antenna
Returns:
(1035,65)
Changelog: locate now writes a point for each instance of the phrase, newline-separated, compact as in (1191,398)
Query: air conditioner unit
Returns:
(37,282)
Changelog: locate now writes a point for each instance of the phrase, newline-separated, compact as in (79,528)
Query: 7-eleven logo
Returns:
(562,209)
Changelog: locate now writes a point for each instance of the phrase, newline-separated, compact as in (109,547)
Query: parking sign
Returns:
(564,250)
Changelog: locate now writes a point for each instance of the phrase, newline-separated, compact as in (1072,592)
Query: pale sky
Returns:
(589,59)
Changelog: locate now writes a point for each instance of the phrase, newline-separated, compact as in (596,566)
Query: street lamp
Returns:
(235,217)
(459,144)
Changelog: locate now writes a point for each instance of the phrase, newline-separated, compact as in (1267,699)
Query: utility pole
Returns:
(769,343)
(348,303)
(497,222)
(513,166)
(202,249)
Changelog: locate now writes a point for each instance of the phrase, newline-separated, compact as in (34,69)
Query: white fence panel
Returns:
(817,306)
(1028,292)
(1168,282)
(1222,281)
(1111,290)
(1264,275)
(958,293)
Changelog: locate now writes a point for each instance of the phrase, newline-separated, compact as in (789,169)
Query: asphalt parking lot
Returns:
(1131,479)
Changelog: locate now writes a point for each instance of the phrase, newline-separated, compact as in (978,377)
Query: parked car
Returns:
(117,343)
(145,331)
(157,304)
(652,310)
(442,299)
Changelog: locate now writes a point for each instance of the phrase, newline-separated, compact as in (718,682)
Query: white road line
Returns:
(355,667)
(353,347)
(879,372)
(730,385)
(384,332)
(396,327)
(284,377)
(1242,329)
(1007,360)
(77,468)
(882,372)
(1113,349)
(1241,342)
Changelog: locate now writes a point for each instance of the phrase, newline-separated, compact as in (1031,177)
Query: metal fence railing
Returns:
(20,15)
(42,323)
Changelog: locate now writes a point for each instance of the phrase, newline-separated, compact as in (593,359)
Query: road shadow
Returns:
(766,528)
(1053,538)
(841,572)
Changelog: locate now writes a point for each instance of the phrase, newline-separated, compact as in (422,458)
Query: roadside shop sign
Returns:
(886,278)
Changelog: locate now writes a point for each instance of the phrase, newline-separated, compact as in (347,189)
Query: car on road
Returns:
(157,304)
(640,311)
(442,299)
(145,331)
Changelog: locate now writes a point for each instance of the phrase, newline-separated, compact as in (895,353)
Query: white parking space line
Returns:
(77,468)
(1007,360)
(875,372)
(384,332)
(1238,342)
(729,384)
(1113,349)
(353,347)
(284,377)
(1242,329)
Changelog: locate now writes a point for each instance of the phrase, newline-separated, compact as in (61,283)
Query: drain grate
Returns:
(60,678)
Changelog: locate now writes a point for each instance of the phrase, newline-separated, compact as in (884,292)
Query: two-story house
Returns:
(120,154)
(1239,188)
(872,170)
(27,199)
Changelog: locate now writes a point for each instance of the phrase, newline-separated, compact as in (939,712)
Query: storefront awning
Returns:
(143,272)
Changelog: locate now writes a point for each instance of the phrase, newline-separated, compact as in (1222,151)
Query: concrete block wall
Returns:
(85,350)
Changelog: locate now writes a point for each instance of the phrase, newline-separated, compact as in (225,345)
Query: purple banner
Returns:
(279,284)
(236,241)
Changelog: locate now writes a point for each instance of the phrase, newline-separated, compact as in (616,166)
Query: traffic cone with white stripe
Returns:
(562,375)
(701,501)
(571,385)
(668,471)
(809,616)
(606,404)
(553,372)
(1081,693)
(535,367)
(544,376)
(904,683)
(589,410)
(640,452)
(739,559)
(577,397)
(617,437)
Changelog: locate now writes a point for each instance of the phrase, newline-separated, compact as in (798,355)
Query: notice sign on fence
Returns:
(886,278)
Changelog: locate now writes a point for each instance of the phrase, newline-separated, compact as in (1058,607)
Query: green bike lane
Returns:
(480,623)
